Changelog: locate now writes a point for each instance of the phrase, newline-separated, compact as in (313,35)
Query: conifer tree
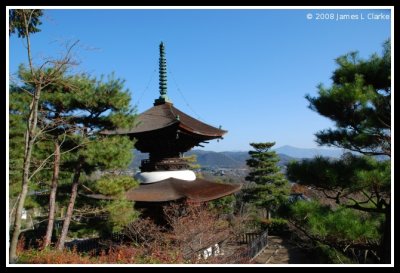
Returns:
(98,105)
(25,22)
(359,103)
(271,187)
(56,109)
(66,112)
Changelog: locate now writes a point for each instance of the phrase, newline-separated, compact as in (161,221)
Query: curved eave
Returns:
(139,130)
(189,129)
(196,126)
(166,115)
(153,119)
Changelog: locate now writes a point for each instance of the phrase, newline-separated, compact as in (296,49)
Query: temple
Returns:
(166,133)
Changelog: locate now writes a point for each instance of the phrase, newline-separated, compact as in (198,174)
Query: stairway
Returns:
(281,251)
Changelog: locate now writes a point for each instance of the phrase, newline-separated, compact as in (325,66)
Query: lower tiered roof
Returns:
(199,190)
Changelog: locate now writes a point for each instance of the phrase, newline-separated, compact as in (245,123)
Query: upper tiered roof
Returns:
(164,129)
(166,115)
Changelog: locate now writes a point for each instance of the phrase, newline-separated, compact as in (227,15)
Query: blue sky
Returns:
(246,70)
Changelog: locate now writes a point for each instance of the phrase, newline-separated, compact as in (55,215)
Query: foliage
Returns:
(18,112)
(82,230)
(64,114)
(271,187)
(93,107)
(275,226)
(161,255)
(192,161)
(114,185)
(121,213)
(35,78)
(350,174)
(359,184)
(66,111)
(123,254)
(191,229)
(359,102)
(144,232)
(377,177)
(20,18)
(326,254)
(153,244)
(104,104)
(339,235)
(110,153)
(224,205)
(99,106)
(118,255)
(335,226)
(190,234)
(50,256)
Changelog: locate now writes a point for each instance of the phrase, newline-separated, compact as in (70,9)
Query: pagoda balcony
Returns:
(166,164)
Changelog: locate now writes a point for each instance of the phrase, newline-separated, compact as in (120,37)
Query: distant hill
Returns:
(237,159)
(231,160)
(308,153)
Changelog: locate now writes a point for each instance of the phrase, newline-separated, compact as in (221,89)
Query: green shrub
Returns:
(329,255)
(275,226)
(332,224)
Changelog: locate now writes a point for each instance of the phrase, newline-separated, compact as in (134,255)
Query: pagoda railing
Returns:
(167,164)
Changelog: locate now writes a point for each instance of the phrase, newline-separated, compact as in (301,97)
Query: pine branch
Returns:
(366,209)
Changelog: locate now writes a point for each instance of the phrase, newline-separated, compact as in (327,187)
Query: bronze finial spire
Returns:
(163,77)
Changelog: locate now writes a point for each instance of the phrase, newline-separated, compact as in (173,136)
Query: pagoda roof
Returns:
(165,115)
(199,190)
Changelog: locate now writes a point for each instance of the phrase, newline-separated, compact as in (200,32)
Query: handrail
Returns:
(258,244)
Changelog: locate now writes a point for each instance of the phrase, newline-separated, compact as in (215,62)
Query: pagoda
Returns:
(166,133)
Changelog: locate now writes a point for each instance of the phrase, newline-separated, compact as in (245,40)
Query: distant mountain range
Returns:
(308,153)
(236,160)
(232,160)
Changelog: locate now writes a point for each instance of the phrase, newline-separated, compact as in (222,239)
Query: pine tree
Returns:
(359,103)
(64,112)
(25,22)
(271,187)
(56,112)
(98,105)
(41,163)
(21,20)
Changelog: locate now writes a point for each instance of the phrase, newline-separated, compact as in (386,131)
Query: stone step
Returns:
(279,251)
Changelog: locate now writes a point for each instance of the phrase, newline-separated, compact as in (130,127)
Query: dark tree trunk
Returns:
(70,209)
(52,198)
(385,247)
